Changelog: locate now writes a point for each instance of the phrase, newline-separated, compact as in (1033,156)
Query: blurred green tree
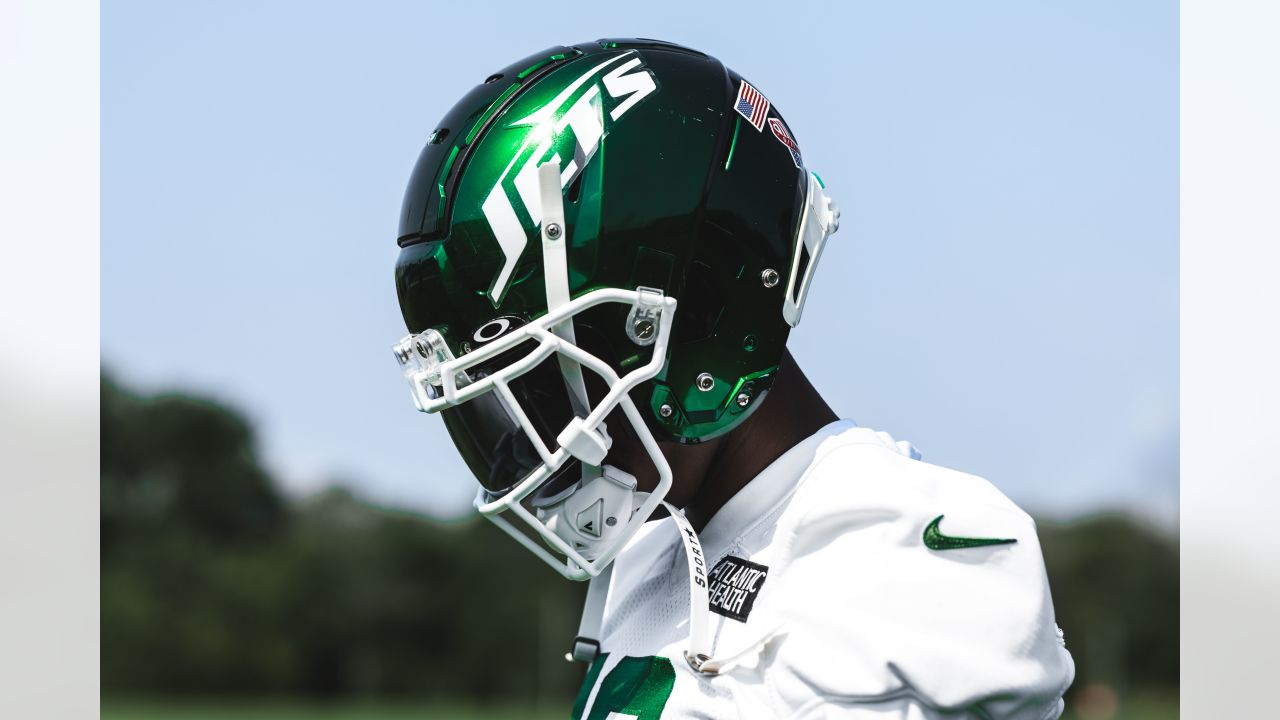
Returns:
(212,583)
(181,463)
(1115,590)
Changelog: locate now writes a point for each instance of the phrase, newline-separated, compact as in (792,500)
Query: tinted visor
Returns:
(490,438)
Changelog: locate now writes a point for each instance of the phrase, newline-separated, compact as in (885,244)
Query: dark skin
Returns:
(706,475)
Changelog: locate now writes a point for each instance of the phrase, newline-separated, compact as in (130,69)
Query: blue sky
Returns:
(1003,291)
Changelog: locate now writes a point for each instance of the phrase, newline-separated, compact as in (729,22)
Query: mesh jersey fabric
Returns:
(854,617)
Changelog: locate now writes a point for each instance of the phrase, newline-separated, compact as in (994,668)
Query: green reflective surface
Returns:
(668,189)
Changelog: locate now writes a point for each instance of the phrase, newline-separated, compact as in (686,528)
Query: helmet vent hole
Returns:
(438,136)
(493,78)
(575,189)
(801,267)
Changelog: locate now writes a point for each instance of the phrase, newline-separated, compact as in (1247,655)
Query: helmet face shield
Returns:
(491,439)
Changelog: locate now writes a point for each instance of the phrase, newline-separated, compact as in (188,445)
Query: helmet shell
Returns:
(668,186)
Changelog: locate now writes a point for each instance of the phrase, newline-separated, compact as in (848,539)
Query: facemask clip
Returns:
(645,316)
(588,445)
(421,357)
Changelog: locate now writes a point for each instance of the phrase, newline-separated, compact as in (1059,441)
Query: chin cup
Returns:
(594,512)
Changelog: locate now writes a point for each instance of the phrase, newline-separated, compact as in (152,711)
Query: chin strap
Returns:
(699,653)
(586,646)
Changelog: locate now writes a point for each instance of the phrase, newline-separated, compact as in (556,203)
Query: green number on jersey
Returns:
(638,687)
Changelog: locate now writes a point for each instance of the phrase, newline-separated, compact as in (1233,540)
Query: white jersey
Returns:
(837,593)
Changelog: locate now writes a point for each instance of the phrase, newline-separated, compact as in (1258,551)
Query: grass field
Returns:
(296,710)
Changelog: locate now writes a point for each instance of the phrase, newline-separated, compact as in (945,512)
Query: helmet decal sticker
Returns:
(566,131)
(784,137)
(752,105)
(496,328)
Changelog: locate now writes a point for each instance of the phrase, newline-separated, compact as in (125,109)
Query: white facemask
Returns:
(584,527)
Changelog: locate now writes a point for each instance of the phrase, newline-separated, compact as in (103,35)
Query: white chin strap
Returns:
(586,646)
(699,653)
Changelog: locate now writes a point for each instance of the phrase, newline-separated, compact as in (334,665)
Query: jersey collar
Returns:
(752,503)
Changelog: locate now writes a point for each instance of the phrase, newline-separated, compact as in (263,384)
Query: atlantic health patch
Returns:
(734,585)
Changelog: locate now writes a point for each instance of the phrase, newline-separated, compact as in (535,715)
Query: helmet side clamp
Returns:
(645,317)
(821,218)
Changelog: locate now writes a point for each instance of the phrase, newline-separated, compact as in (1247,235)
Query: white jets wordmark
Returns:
(625,85)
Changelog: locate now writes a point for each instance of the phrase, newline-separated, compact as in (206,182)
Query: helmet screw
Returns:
(553,231)
(706,382)
(666,410)
(611,521)
(421,347)
(643,329)
(769,277)
(743,399)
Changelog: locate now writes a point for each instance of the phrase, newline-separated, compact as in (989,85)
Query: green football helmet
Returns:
(629,208)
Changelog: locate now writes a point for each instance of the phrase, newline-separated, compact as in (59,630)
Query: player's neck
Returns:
(791,412)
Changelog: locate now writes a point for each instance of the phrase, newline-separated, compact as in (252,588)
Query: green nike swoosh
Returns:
(935,540)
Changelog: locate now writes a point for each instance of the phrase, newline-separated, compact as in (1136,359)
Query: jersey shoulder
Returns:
(899,576)
(862,469)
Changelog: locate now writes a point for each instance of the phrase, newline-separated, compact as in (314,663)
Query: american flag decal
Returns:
(751,105)
(784,137)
